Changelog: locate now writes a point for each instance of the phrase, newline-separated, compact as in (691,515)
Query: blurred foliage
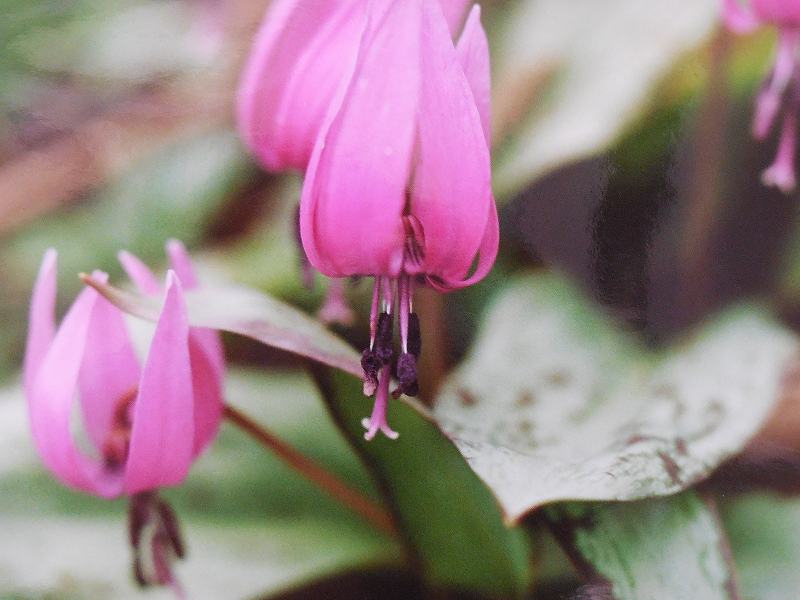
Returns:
(764,536)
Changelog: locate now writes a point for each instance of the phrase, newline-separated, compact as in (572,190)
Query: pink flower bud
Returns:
(300,56)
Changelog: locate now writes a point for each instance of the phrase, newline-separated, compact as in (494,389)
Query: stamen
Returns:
(377,421)
(414,254)
(383,340)
(378,354)
(370,362)
(388,294)
(335,308)
(371,365)
(414,335)
(406,376)
(403,292)
(373,313)
(156,541)
(172,528)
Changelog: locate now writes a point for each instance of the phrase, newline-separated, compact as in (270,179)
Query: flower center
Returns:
(117,443)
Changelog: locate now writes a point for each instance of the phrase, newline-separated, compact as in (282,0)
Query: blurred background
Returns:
(623,158)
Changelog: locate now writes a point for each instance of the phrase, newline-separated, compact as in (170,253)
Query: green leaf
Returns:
(252,525)
(250,313)
(649,550)
(765,537)
(567,82)
(556,403)
(450,519)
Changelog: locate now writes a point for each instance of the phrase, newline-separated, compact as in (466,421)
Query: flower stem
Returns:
(313,472)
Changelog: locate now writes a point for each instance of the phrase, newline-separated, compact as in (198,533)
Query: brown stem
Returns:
(702,212)
(313,472)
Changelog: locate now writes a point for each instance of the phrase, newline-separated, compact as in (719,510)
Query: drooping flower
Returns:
(780,91)
(301,55)
(399,184)
(145,422)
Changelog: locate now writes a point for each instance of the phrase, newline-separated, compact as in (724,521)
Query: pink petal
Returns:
(738,18)
(319,71)
(109,371)
(451,193)
(162,438)
(181,263)
(355,187)
(50,402)
(454,11)
(487,253)
(41,328)
(473,55)
(289,27)
(139,273)
(208,339)
(783,13)
(207,387)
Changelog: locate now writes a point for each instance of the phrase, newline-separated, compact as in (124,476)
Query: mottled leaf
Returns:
(556,403)
(571,75)
(451,520)
(250,313)
(649,550)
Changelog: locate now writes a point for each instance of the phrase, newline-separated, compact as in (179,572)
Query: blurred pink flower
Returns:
(399,183)
(146,423)
(302,52)
(781,89)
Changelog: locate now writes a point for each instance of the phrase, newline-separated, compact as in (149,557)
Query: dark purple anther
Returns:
(371,366)
(414,335)
(384,349)
(406,376)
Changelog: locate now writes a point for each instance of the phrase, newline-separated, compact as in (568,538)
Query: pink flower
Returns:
(399,184)
(301,54)
(146,422)
(781,90)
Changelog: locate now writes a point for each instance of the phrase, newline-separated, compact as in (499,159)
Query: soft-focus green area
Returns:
(765,536)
